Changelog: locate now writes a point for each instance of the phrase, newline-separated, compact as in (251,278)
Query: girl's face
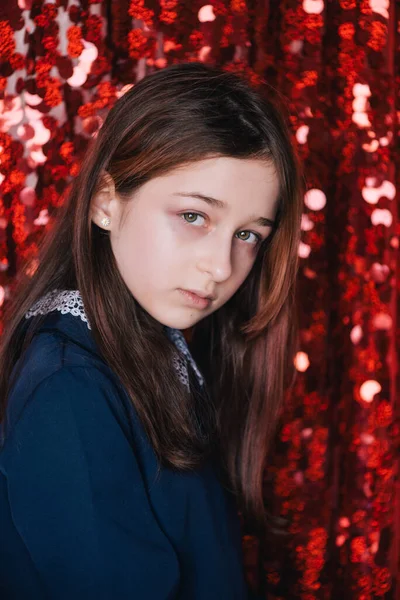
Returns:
(168,238)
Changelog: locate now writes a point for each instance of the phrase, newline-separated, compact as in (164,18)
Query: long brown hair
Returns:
(176,116)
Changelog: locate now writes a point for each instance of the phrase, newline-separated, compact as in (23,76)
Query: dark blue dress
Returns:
(82,515)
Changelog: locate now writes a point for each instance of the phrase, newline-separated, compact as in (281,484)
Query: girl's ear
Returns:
(102,205)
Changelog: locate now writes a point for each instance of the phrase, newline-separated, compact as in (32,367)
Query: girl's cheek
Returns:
(174,223)
(184,231)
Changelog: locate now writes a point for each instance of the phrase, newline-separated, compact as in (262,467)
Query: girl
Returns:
(144,363)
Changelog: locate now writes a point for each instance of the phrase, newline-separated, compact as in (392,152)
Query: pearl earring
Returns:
(105,222)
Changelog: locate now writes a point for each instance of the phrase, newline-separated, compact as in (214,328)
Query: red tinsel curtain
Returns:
(334,469)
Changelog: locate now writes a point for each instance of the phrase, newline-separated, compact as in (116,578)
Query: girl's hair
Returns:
(176,116)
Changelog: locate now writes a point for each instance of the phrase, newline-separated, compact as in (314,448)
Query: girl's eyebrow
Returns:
(262,221)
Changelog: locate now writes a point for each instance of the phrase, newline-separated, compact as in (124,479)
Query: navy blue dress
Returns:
(82,515)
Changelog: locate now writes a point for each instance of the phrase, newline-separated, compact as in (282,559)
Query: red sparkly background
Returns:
(334,468)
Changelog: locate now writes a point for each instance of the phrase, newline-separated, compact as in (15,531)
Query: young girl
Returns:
(144,363)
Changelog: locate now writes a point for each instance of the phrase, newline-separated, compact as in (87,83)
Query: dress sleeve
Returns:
(78,499)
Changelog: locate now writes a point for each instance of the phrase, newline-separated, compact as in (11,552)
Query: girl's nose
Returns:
(217,260)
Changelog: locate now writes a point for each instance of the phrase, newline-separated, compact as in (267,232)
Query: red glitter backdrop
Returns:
(334,468)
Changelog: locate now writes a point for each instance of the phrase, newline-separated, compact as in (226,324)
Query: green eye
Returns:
(192,214)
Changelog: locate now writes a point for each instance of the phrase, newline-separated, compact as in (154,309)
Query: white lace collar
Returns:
(70,301)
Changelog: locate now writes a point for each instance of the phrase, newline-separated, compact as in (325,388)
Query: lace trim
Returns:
(70,301)
(67,301)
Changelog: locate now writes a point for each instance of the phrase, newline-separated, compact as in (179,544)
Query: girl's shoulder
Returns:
(62,364)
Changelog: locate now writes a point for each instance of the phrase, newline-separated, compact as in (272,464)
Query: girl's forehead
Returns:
(221,166)
(225,178)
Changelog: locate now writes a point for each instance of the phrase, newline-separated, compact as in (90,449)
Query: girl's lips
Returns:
(195,300)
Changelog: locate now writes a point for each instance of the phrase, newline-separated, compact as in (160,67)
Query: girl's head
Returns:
(183,133)
(197,179)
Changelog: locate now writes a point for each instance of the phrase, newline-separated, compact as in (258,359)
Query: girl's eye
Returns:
(258,238)
(192,214)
